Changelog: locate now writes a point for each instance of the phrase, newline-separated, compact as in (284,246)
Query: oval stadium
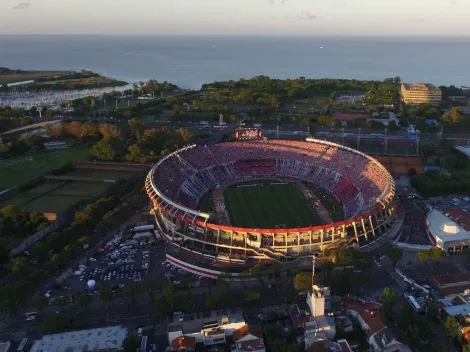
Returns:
(226,207)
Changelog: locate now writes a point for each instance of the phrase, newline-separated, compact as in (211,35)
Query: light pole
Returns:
(386,129)
(342,133)
(359,139)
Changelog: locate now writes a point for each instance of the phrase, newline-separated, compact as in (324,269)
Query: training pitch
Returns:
(269,204)
(17,171)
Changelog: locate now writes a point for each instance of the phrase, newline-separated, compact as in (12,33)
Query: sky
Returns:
(247,17)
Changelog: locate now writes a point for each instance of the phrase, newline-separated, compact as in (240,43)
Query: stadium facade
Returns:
(207,244)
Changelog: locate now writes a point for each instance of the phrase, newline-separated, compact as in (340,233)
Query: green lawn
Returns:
(268,206)
(102,174)
(56,196)
(17,171)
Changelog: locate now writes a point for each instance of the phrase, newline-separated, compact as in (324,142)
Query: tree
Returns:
(466,347)
(3,254)
(55,323)
(109,148)
(395,254)
(452,115)
(423,256)
(169,290)
(40,303)
(137,127)
(303,281)
(185,136)
(18,264)
(84,300)
(451,328)
(106,295)
(176,113)
(252,296)
(108,130)
(130,344)
(436,254)
(389,299)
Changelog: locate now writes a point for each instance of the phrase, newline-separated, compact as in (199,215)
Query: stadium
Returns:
(227,207)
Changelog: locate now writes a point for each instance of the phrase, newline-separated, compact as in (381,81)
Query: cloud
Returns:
(22,6)
(306,15)
(420,20)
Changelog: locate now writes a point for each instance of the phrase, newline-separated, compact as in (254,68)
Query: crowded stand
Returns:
(356,180)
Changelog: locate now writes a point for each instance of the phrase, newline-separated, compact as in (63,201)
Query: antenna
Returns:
(313,268)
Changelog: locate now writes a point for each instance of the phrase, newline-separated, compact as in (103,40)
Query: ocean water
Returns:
(192,61)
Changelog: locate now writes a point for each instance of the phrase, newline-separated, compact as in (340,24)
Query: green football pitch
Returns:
(265,204)
(16,171)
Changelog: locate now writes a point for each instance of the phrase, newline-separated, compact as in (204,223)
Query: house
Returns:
(384,341)
(248,338)
(369,318)
(182,344)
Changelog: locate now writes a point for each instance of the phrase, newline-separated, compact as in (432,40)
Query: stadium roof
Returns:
(464,149)
(444,228)
(108,338)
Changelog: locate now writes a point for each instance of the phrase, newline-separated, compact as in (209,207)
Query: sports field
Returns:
(56,196)
(265,204)
(17,171)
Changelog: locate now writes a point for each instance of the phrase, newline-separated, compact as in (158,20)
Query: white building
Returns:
(210,329)
(318,326)
(446,234)
(102,339)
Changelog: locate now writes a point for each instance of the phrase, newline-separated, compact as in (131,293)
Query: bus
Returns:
(24,345)
(143,344)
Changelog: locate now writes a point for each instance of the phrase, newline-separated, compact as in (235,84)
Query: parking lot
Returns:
(120,261)
(177,276)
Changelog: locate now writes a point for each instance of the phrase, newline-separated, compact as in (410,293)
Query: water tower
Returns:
(91,285)
(39,110)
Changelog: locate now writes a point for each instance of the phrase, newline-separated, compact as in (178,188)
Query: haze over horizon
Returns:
(244,17)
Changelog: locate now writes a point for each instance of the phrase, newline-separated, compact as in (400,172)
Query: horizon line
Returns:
(233,35)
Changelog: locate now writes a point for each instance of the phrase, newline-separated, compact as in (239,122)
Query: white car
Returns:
(92,260)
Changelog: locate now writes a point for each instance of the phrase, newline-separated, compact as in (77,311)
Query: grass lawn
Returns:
(102,174)
(56,196)
(27,76)
(17,171)
(267,205)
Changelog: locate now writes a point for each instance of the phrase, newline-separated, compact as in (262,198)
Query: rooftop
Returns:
(369,312)
(110,337)
(463,309)
(444,228)
(245,330)
(251,345)
(193,323)
(420,87)
(460,216)
(183,342)
(464,149)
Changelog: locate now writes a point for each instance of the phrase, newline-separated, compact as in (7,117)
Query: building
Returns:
(319,327)
(451,286)
(420,93)
(319,300)
(248,338)
(210,328)
(182,344)
(102,339)
(445,233)
(207,244)
(369,318)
